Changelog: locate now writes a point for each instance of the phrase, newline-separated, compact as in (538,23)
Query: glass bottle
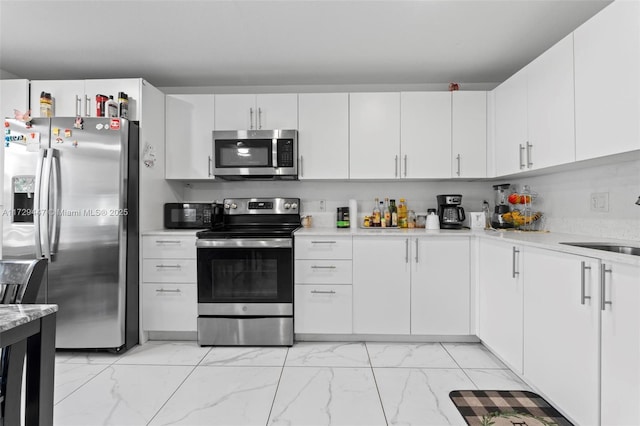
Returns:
(376,214)
(386,213)
(394,213)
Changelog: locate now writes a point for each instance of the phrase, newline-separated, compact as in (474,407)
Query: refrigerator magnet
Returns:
(59,140)
(79,123)
(67,133)
(99,126)
(74,143)
(55,131)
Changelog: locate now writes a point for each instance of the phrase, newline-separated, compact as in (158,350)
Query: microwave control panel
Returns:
(285,153)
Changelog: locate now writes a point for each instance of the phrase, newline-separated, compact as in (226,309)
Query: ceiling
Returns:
(285,42)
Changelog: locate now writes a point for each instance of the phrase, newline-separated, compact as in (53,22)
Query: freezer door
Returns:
(23,150)
(87,272)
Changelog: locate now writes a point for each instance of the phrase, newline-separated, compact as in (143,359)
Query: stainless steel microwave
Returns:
(255,154)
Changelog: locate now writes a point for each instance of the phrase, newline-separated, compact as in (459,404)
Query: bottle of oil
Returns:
(394,213)
(376,214)
(386,214)
(402,214)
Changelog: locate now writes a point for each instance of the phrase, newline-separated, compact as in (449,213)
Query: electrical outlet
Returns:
(600,202)
(323,206)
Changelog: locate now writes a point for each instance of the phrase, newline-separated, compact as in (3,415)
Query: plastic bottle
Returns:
(123,105)
(402,213)
(46,105)
(111,107)
(101,100)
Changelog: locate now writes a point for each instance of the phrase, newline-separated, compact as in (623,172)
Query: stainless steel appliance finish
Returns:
(265,331)
(255,154)
(245,274)
(450,212)
(72,196)
(614,248)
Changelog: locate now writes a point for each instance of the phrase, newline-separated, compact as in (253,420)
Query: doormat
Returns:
(498,408)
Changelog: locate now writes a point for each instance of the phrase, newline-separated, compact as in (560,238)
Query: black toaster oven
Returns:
(190,215)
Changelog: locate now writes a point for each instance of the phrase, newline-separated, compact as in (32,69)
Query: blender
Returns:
(502,206)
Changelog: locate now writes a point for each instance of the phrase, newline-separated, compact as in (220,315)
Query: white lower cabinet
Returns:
(323,309)
(500,300)
(381,285)
(169,291)
(561,330)
(440,298)
(620,342)
(323,293)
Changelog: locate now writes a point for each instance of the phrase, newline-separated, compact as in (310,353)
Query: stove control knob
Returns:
(287,206)
(294,205)
(234,206)
(227,206)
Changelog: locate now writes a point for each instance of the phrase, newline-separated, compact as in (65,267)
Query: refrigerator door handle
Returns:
(43,212)
(36,204)
(55,215)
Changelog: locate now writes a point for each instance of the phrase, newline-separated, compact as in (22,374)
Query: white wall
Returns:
(564,198)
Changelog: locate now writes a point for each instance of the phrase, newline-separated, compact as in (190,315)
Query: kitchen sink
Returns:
(616,248)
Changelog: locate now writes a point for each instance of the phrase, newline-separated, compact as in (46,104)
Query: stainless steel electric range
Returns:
(245,274)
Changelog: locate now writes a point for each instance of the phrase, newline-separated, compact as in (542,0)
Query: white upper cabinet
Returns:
(425,129)
(14,94)
(189,126)
(374,135)
(78,97)
(256,112)
(511,124)
(550,107)
(469,134)
(607,81)
(323,139)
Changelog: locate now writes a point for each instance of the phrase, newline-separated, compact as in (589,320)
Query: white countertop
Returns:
(544,240)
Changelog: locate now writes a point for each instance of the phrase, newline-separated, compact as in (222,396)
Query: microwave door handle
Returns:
(274,152)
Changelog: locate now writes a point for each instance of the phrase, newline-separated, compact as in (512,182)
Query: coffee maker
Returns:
(502,206)
(450,212)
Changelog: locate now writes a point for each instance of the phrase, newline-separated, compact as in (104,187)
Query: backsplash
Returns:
(564,197)
(565,200)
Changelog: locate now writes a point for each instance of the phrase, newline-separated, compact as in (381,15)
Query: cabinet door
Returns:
(235,112)
(14,94)
(169,307)
(500,301)
(440,286)
(374,135)
(381,285)
(277,111)
(323,309)
(511,124)
(189,123)
(620,375)
(111,87)
(469,134)
(68,97)
(607,81)
(551,107)
(323,140)
(561,330)
(425,123)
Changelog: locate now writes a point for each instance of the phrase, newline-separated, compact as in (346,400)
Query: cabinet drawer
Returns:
(323,309)
(323,271)
(323,248)
(169,246)
(169,271)
(169,307)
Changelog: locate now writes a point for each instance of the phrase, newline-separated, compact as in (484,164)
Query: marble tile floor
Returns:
(181,383)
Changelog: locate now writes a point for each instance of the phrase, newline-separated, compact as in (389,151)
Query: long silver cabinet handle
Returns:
(322,292)
(603,279)
(529,162)
(78,106)
(259,118)
(323,267)
(417,251)
(300,166)
(458,160)
(522,148)
(250,118)
(405,165)
(583,269)
(169,266)
(406,248)
(396,162)
(323,242)
(168,241)
(514,254)
(162,290)
(209,166)
(87,106)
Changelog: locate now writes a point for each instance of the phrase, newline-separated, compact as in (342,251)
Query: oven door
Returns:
(245,276)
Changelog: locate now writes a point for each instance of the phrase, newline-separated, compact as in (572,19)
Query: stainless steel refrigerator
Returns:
(71,196)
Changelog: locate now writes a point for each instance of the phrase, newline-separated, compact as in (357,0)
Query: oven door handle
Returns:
(245,243)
